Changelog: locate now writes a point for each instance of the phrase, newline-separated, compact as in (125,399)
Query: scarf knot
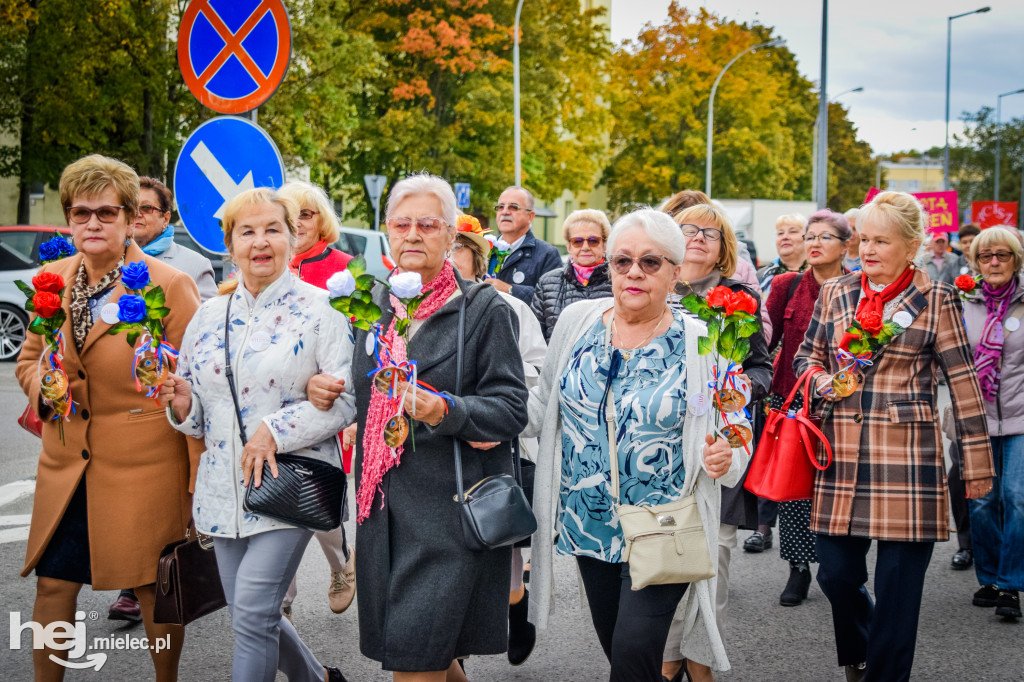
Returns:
(874,301)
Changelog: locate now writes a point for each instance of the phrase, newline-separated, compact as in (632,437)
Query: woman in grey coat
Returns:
(424,598)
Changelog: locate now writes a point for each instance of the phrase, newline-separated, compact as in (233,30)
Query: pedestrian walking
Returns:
(939,262)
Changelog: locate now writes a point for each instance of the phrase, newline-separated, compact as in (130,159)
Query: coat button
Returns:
(858,417)
(85,454)
(85,414)
(81,374)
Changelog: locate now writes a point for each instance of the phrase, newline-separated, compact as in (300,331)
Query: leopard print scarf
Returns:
(81,292)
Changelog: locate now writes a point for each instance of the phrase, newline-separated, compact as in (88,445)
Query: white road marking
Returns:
(19,534)
(12,491)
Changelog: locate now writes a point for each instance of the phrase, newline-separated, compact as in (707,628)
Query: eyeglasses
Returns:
(498,208)
(578,241)
(824,237)
(425,226)
(1001,256)
(81,215)
(709,233)
(307,213)
(649,263)
(146,209)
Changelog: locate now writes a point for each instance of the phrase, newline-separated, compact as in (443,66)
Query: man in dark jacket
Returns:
(529,257)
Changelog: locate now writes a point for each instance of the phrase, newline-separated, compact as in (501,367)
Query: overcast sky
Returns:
(895,49)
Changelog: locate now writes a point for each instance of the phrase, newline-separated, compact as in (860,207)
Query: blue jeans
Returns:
(997,520)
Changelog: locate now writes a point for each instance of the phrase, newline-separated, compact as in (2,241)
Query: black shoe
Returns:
(1008,604)
(796,588)
(986,597)
(855,673)
(758,542)
(962,560)
(522,634)
(334,675)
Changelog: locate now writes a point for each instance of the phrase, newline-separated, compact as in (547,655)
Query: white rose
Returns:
(502,245)
(406,284)
(491,238)
(341,284)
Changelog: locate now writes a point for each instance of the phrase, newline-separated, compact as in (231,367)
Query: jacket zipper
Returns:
(234,473)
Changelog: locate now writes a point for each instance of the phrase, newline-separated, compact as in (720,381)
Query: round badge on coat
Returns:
(259,341)
(518,277)
(698,403)
(108,313)
(964,270)
(371,344)
(1012,324)
(903,319)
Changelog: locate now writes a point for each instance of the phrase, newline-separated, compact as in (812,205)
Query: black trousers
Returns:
(882,633)
(958,498)
(632,626)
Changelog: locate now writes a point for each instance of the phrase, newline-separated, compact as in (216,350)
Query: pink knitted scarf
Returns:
(378,458)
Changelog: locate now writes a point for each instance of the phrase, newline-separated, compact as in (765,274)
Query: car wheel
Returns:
(13,325)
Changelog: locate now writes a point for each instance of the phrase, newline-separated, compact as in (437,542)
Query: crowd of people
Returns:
(587,371)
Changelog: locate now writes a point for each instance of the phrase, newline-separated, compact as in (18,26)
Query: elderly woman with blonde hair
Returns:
(316,228)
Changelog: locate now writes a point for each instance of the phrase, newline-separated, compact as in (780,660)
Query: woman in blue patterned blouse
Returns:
(646,354)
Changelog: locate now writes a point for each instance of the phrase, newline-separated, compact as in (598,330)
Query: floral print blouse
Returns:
(650,403)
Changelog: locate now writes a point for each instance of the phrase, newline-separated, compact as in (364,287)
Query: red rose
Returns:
(46,303)
(719,297)
(871,323)
(48,281)
(965,283)
(741,300)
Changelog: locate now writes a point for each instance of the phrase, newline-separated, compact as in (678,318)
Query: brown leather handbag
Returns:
(187,581)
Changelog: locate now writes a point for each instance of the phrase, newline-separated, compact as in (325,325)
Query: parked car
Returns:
(370,244)
(19,259)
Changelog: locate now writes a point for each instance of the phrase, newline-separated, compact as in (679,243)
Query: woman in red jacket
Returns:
(791,305)
(314,262)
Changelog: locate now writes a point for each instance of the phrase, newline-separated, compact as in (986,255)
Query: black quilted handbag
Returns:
(307,492)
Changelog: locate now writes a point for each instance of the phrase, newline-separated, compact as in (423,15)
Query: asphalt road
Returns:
(956,641)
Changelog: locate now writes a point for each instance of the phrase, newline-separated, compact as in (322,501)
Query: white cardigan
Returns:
(701,641)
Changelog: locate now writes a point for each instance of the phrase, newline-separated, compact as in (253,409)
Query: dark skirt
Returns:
(67,556)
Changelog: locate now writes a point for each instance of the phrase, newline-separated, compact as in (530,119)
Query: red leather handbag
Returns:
(783,466)
(31,422)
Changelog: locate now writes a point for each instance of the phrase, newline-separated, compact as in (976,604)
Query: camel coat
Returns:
(136,467)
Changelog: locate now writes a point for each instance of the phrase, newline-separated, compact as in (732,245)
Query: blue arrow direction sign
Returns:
(462,194)
(222,158)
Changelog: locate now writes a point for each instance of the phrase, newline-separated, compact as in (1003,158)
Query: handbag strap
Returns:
(803,382)
(804,420)
(228,373)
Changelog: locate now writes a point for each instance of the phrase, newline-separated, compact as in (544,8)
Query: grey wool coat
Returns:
(424,598)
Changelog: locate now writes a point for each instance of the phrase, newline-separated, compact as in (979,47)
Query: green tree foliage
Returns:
(851,168)
(972,158)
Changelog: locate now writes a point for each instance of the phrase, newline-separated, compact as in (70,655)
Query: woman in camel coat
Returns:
(115,489)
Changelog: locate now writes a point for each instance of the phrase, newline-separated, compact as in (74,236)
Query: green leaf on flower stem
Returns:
(30,306)
(57,321)
(365,282)
(132,337)
(748,328)
(413,305)
(24,288)
(694,304)
(704,345)
(363,296)
(155,297)
(38,325)
(361,324)
(340,304)
(741,351)
(401,326)
(158,313)
(714,329)
(357,266)
(727,339)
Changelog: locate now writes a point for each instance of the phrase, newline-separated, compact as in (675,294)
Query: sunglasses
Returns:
(425,226)
(649,263)
(146,209)
(709,233)
(1001,256)
(578,241)
(81,215)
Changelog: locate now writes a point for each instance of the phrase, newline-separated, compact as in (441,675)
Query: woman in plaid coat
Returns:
(887,481)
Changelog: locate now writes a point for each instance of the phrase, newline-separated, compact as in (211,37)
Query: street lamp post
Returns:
(999,121)
(949,45)
(515,96)
(711,107)
(822,156)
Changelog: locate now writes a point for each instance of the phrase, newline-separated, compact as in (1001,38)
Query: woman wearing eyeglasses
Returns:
(993,318)
(315,260)
(710,260)
(791,304)
(584,277)
(112,487)
(639,354)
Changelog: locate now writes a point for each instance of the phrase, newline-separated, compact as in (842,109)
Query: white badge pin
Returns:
(518,277)
(1012,324)
(371,344)
(259,341)
(964,270)
(108,313)
(698,403)
(903,319)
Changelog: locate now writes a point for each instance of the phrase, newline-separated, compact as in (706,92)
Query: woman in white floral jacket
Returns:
(282,332)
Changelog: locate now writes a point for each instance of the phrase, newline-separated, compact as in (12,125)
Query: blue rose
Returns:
(135,275)
(50,250)
(131,308)
(66,248)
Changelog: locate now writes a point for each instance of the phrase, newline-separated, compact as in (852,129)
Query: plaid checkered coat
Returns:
(887,480)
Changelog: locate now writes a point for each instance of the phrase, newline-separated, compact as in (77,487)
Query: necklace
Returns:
(627,353)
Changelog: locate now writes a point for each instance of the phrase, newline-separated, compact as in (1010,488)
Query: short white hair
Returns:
(425,183)
(658,226)
(852,215)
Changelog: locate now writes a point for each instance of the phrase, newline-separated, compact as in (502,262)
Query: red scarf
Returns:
(378,458)
(874,301)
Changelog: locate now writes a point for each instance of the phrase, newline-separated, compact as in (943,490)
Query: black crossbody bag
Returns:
(494,512)
(307,492)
